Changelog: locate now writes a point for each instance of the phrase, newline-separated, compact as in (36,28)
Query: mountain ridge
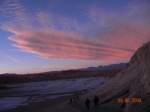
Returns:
(99,68)
(107,67)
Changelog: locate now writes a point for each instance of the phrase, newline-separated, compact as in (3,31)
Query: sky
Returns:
(50,35)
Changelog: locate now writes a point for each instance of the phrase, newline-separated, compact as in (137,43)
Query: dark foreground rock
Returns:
(4,87)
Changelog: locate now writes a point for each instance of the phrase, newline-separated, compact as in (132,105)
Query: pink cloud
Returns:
(59,45)
(126,35)
(116,44)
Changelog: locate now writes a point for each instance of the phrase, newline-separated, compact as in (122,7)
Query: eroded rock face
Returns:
(132,82)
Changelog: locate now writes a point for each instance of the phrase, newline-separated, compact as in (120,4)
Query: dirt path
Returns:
(61,104)
(81,106)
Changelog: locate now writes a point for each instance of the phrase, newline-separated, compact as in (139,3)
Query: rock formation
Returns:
(132,83)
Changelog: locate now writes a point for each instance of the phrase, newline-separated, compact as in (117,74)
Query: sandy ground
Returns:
(61,104)
(53,105)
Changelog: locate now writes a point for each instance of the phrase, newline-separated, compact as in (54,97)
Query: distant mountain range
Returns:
(107,67)
(8,74)
(101,71)
(99,68)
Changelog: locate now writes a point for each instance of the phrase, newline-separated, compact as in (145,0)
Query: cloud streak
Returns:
(10,58)
(59,45)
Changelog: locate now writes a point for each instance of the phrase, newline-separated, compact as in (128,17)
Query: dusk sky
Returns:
(49,35)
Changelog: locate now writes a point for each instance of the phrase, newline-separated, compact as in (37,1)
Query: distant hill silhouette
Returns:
(9,74)
(101,71)
(108,67)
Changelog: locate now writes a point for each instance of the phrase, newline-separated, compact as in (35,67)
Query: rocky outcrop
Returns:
(133,82)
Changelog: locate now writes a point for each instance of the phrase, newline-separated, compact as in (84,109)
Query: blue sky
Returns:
(49,35)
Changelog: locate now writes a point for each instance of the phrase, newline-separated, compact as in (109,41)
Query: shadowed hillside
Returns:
(133,82)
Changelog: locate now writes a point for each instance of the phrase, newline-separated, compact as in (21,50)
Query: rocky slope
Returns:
(133,82)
